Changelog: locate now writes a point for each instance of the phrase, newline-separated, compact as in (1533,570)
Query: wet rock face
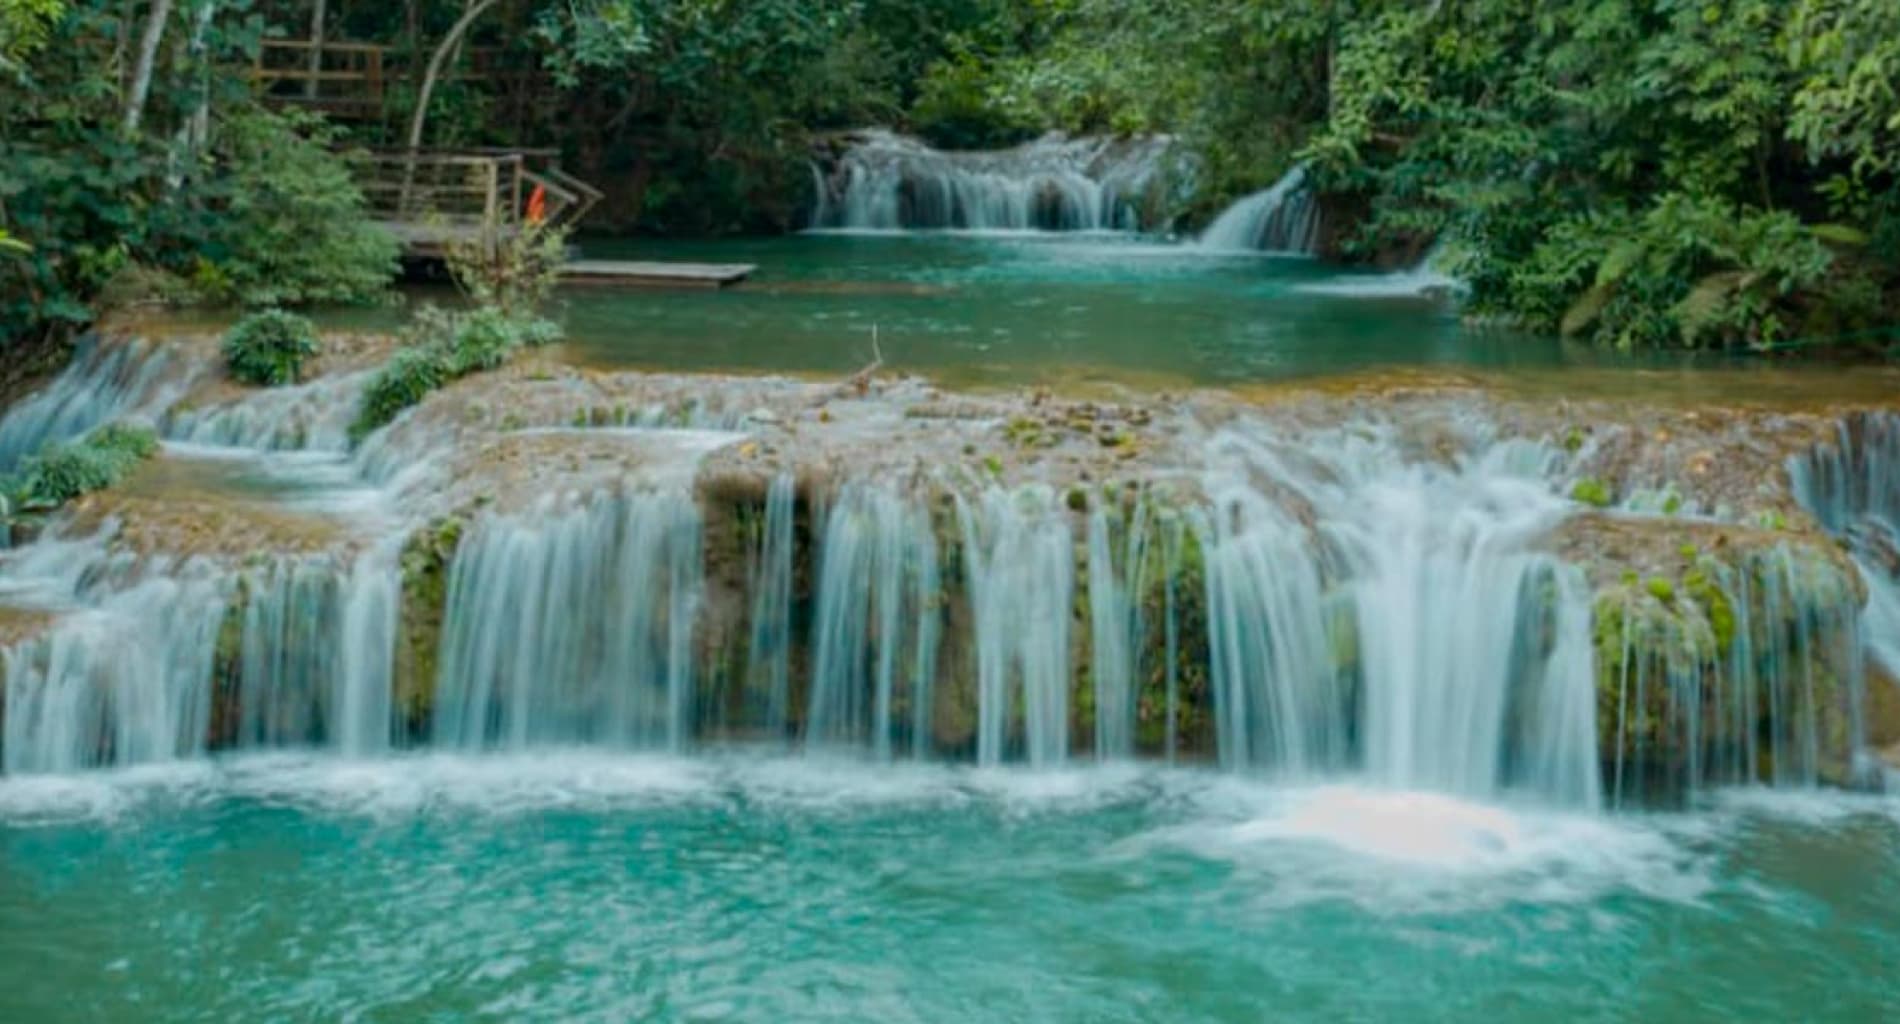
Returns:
(1722,617)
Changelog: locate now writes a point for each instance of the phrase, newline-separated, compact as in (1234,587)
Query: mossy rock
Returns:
(426,560)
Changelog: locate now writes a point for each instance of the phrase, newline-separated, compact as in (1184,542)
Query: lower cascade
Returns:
(1445,652)
(573,627)
(1413,600)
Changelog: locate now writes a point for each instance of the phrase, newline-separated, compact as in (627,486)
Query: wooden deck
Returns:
(443,202)
(642,274)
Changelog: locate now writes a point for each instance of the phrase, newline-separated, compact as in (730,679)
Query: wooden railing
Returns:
(351,80)
(434,199)
(343,79)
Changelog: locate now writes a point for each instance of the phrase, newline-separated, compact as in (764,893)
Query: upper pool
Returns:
(1028,308)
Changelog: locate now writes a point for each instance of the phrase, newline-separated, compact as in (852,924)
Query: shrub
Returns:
(268,349)
(441,346)
(406,379)
(63,471)
(517,278)
(295,231)
(481,340)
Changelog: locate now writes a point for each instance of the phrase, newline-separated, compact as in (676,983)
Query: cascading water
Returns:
(574,626)
(769,656)
(312,417)
(1766,692)
(126,681)
(874,640)
(1119,568)
(1020,566)
(1335,603)
(127,672)
(887,182)
(1852,488)
(1413,632)
(106,381)
(1281,218)
(317,653)
(1420,280)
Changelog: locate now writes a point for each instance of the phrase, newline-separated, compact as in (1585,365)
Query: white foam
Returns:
(1401,852)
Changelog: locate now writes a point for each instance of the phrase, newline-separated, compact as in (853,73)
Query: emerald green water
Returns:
(1027,308)
(722,888)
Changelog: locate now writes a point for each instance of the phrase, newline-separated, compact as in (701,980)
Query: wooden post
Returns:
(375,72)
(491,234)
(514,206)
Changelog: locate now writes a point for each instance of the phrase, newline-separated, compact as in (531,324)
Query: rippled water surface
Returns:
(583,887)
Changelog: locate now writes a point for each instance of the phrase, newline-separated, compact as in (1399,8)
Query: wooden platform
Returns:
(638,274)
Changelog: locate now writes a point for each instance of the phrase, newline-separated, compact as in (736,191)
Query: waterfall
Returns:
(1420,280)
(125,682)
(133,667)
(875,623)
(769,668)
(1852,487)
(573,625)
(1020,567)
(887,182)
(1763,697)
(1281,218)
(1413,632)
(314,416)
(106,381)
(1117,579)
(317,651)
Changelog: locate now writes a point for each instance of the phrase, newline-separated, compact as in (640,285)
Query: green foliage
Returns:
(1689,270)
(1593,492)
(25,27)
(235,203)
(268,348)
(440,346)
(1697,173)
(294,231)
(409,376)
(517,277)
(66,470)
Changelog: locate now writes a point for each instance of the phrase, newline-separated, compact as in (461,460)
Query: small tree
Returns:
(520,275)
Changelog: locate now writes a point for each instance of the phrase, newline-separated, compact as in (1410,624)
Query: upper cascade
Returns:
(881,181)
(1281,218)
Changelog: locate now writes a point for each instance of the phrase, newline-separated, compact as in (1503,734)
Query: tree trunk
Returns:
(148,56)
(189,142)
(442,51)
(316,50)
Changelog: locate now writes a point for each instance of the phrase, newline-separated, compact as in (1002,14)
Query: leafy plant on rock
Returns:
(269,348)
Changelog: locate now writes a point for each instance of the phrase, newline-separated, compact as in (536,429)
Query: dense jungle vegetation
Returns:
(1637,172)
